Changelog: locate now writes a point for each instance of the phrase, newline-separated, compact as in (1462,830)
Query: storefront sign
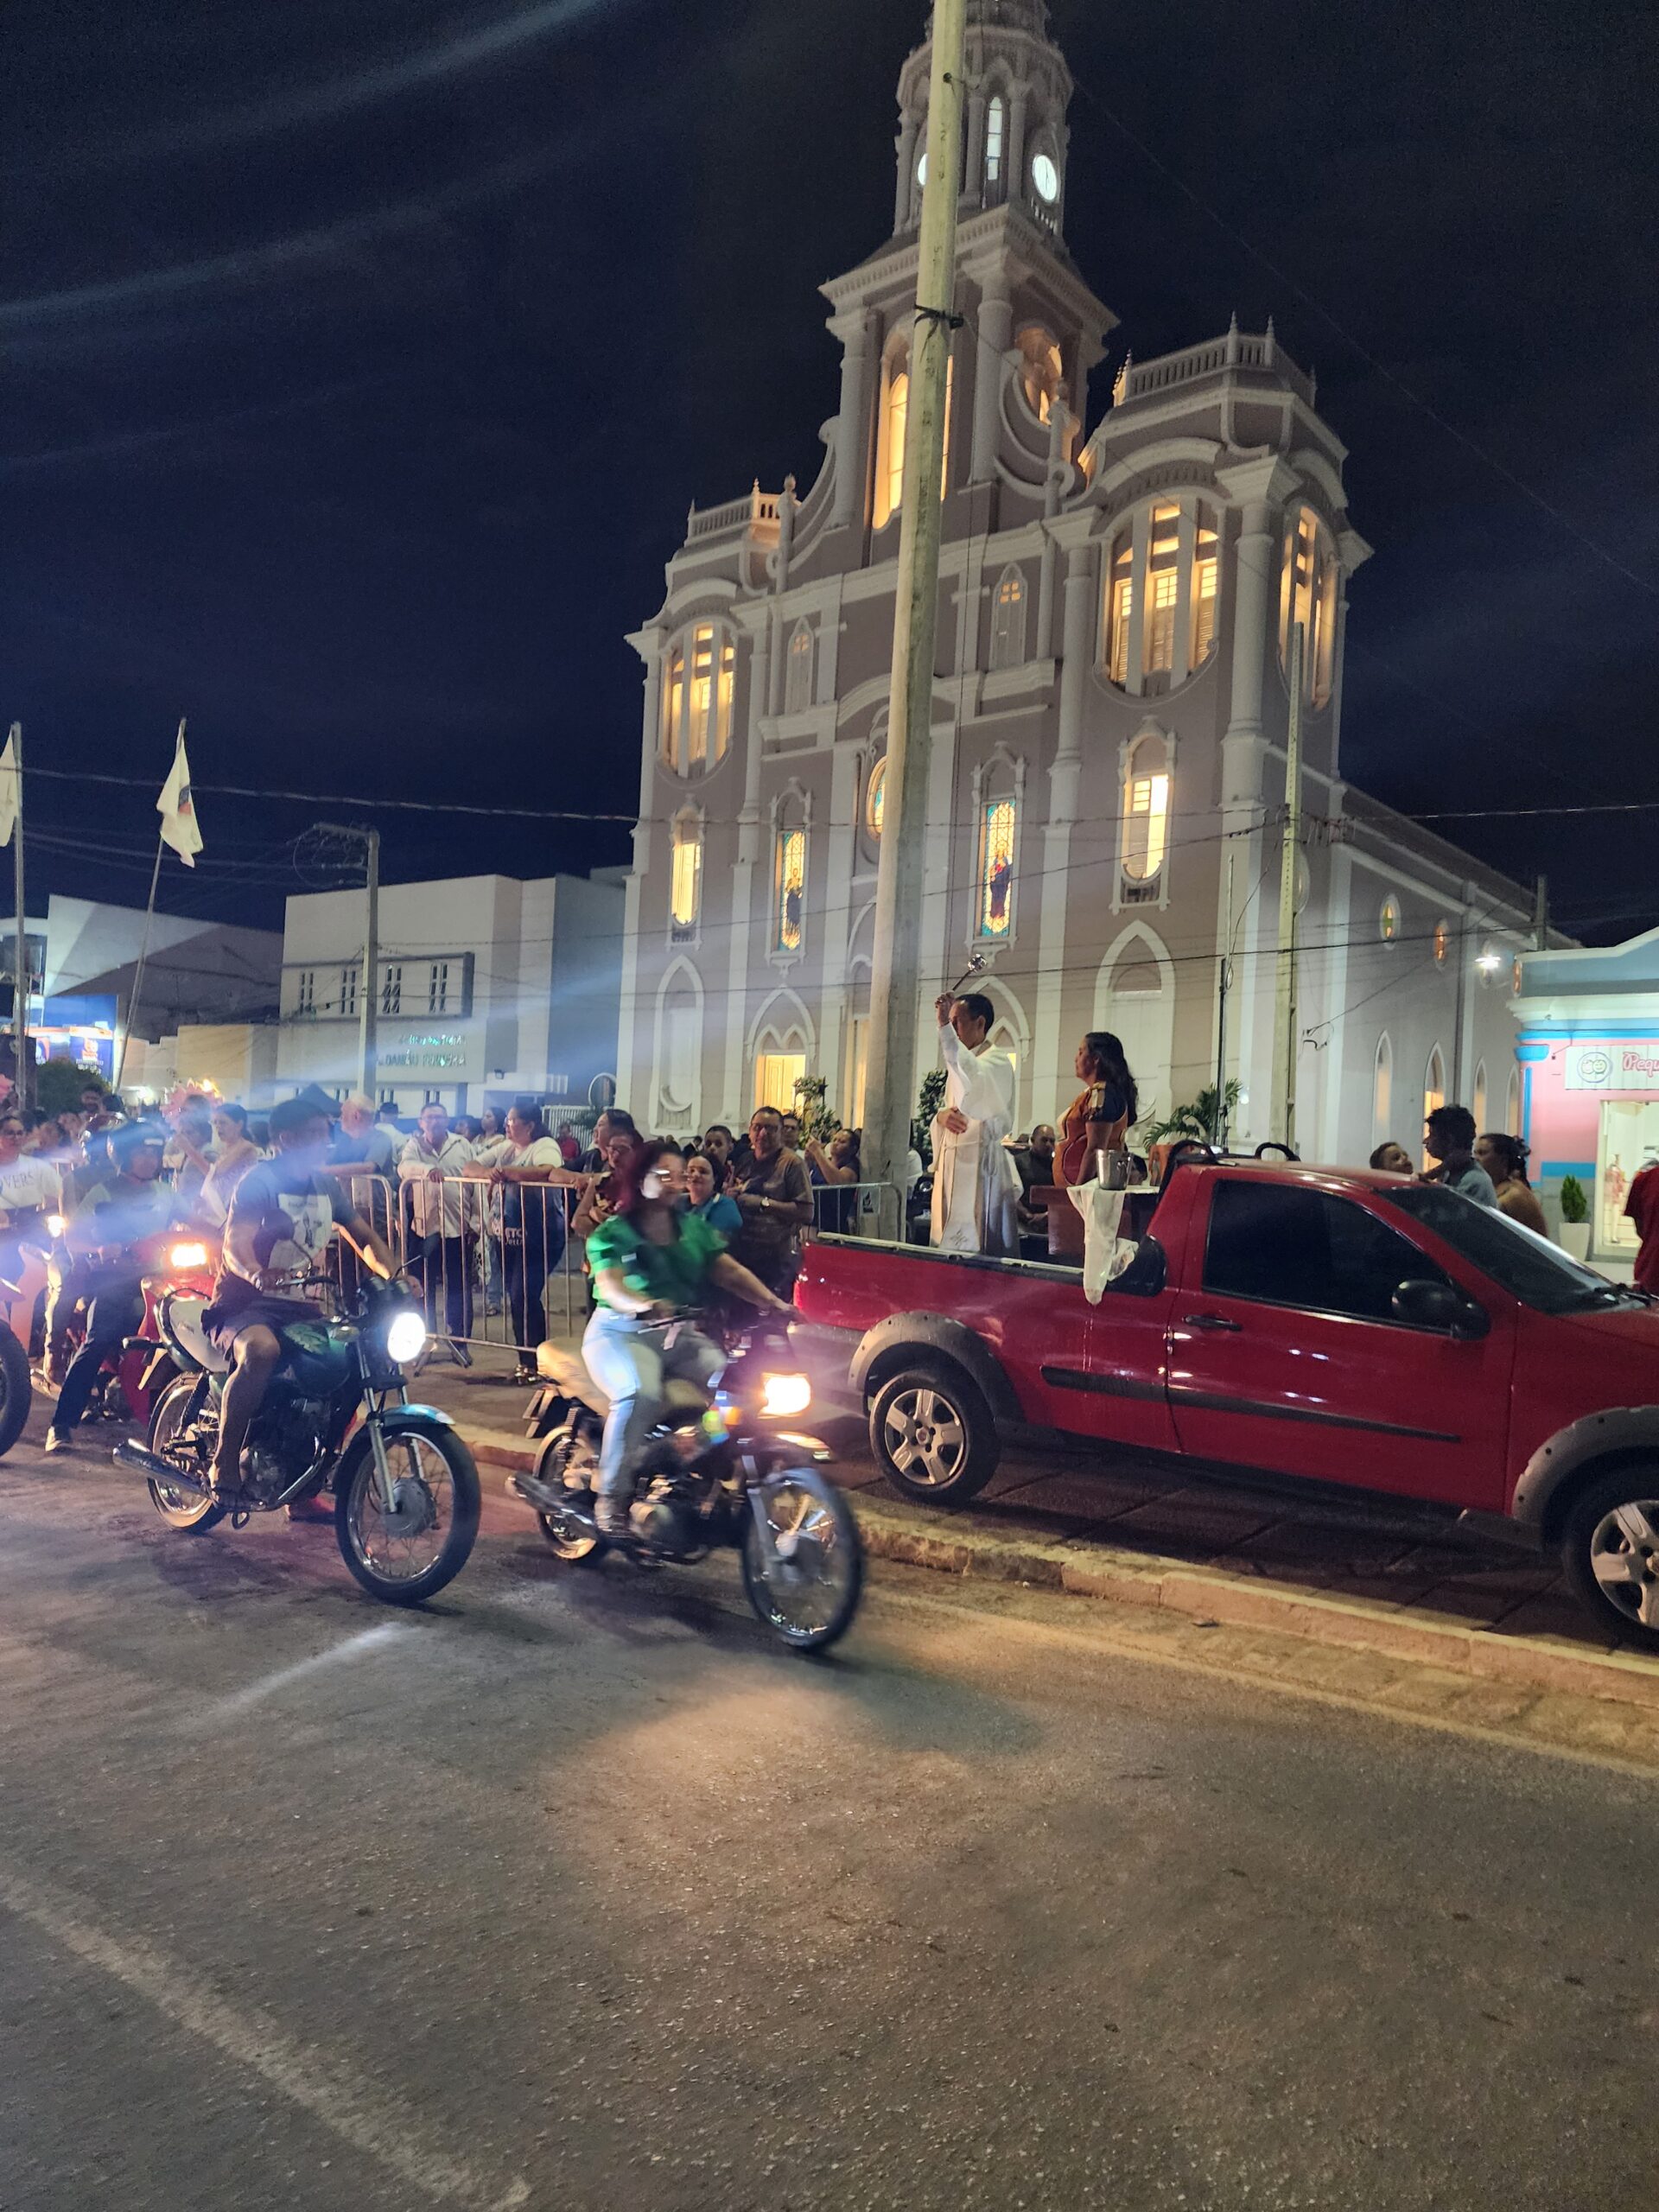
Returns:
(1616,1069)
(445,1049)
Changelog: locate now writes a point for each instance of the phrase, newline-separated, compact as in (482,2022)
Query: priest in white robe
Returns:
(976,1186)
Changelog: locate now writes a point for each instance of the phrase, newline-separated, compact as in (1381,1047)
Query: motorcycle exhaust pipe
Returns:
(134,1456)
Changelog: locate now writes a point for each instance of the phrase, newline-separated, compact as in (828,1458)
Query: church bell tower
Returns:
(1016,139)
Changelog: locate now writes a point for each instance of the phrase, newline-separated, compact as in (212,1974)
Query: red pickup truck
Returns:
(1359,1329)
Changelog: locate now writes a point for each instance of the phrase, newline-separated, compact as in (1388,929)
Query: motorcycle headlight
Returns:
(187,1255)
(786,1395)
(405,1338)
(56,1224)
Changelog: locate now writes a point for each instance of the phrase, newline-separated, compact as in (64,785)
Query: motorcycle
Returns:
(336,1412)
(718,1472)
(134,1376)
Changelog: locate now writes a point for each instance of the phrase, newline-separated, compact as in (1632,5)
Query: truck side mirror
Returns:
(1424,1305)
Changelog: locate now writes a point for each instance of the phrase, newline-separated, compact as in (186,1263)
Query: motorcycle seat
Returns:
(570,1372)
(184,1319)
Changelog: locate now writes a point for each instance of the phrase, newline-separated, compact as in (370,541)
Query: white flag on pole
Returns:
(10,797)
(177,810)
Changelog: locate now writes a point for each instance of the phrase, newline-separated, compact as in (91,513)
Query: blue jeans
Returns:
(631,1364)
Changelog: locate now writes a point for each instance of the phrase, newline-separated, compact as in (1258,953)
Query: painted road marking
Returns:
(317,2082)
(252,1693)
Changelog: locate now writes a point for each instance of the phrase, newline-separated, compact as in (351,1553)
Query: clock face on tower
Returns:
(1046,178)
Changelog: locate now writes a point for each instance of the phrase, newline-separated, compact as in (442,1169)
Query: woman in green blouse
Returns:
(651,1260)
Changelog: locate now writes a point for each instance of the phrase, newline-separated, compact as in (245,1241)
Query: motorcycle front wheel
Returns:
(183,1509)
(808,1592)
(407,1555)
(16,1387)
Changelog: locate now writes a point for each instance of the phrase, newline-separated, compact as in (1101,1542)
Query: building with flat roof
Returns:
(486,987)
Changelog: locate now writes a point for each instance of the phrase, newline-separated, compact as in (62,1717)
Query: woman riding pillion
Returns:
(651,1260)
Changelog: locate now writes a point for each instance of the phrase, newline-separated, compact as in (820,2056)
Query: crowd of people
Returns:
(483,1208)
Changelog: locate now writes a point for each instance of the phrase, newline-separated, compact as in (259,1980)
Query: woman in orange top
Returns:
(1099,1119)
(1504,1158)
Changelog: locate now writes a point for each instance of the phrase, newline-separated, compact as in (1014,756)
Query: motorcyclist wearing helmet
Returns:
(114,1220)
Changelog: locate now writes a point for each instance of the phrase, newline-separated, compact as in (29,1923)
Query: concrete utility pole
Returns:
(367,1011)
(367,1038)
(895,981)
(1284,1006)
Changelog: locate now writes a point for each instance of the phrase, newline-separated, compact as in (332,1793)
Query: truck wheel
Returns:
(1610,1549)
(932,1434)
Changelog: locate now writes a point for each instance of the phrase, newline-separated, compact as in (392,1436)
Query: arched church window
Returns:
(1477,1102)
(997,139)
(1008,621)
(685,894)
(1512,1112)
(1163,582)
(1307,594)
(1041,372)
(789,881)
(894,428)
(999,829)
(1381,1090)
(701,682)
(1146,815)
(875,798)
(798,683)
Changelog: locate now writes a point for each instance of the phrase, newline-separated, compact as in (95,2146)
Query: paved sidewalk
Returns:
(1095,1523)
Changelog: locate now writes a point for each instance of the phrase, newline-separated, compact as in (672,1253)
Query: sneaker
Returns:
(58,1440)
(614,1517)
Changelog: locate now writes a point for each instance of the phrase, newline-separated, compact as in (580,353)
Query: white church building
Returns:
(1107,804)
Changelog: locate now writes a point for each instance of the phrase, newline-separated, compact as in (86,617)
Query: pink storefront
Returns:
(1589,1054)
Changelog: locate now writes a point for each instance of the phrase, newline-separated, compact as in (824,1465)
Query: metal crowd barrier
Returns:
(496,1264)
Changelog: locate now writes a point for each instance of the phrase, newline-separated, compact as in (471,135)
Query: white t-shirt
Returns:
(540,1152)
(31,1183)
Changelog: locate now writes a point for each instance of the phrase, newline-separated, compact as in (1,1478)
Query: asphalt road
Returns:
(577,1893)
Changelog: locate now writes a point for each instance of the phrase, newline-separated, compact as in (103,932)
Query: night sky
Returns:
(362,357)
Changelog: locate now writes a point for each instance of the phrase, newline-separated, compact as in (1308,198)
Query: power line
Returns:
(1461,437)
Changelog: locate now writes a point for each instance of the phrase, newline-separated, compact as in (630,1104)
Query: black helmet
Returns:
(132,1136)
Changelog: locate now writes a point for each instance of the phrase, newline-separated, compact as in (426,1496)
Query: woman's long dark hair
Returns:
(1511,1153)
(1111,1066)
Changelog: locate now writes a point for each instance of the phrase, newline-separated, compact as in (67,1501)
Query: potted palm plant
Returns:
(1575,1219)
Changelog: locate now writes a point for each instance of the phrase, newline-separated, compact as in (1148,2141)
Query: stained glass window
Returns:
(875,804)
(997,868)
(790,889)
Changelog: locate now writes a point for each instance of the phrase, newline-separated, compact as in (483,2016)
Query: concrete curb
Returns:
(1093,1570)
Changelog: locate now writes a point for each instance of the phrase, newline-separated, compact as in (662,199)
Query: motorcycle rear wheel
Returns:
(809,1597)
(184,1509)
(442,1499)
(570,1542)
